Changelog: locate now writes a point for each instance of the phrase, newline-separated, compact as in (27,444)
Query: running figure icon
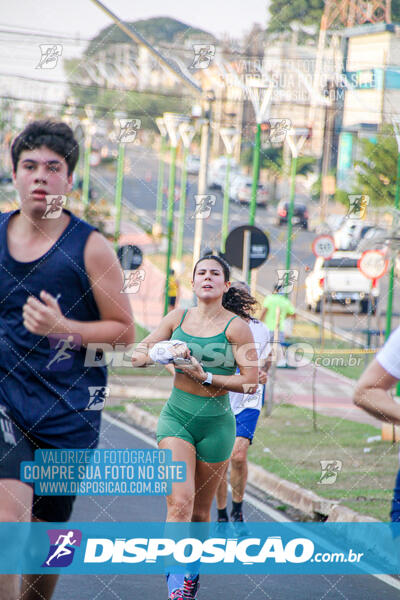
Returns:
(62,549)
(62,345)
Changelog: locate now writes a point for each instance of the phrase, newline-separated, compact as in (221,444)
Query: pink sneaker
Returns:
(190,588)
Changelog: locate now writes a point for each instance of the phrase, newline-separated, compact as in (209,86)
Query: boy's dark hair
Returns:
(55,135)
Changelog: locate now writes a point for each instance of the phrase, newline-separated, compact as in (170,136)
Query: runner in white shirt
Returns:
(246,408)
(372,395)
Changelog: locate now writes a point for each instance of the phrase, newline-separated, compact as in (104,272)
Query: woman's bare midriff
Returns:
(182,382)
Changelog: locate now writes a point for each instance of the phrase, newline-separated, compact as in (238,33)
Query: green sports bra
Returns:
(214,352)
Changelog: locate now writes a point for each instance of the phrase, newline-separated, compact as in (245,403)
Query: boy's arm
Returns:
(116,325)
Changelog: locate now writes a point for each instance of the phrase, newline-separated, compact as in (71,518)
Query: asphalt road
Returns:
(240,587)
(140,192)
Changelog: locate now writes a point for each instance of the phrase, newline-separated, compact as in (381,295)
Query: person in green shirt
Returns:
(270,305)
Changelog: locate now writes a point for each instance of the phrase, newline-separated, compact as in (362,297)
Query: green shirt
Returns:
(271,303)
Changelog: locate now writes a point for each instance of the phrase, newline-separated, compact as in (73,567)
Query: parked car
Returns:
(240,191)
(217,172)
(374,238)
(5,179)
(350,233)
(193,164)
(300,214)
(340,281)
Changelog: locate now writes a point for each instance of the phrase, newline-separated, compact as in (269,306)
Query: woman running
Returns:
(197,423)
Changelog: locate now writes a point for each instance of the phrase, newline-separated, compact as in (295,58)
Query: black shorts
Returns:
(172,300)
(17,446)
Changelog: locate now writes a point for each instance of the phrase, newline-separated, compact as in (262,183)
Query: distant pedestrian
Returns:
(173,291)
(273,302)
(246,408)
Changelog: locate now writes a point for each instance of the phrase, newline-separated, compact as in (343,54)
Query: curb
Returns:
(291,493)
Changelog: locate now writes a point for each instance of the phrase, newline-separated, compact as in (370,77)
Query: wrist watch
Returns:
(208,379)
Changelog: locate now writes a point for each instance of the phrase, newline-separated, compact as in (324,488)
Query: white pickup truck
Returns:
(340,280)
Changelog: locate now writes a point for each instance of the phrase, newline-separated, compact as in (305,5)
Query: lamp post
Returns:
(161,167)
(260,95)
(230,136)
(172,122)
(187,131)
(120,179)
(295,149)
(208,99)
(89,128)
(389,306)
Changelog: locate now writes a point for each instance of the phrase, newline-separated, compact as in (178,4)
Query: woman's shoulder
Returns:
(175,317)
(235,325)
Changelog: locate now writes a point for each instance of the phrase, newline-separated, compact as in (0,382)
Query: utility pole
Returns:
(328,141)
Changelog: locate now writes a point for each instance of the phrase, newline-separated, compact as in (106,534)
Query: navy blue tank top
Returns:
(43,381)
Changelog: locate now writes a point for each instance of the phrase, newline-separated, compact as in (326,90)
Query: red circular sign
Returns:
(373,264)
(324,246)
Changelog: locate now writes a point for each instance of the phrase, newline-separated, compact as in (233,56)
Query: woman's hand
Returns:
(43,318)
(262,377)
(194,371)
(180,351)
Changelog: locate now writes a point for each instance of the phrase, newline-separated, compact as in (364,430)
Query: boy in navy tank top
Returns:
(60,287)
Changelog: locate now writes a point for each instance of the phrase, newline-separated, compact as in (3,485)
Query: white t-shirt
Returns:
(239,402)
(389,356)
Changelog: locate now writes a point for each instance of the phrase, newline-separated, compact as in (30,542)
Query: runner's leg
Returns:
(38,587)
(208,476)
(239,468)
(222,490)
(15,506)
(180,501)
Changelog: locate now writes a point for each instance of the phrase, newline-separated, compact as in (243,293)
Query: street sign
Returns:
(259,247)
(130,257)
(373,264)
(324,246)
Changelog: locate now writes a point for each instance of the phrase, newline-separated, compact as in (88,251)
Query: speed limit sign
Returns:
(373,264)
(324,246)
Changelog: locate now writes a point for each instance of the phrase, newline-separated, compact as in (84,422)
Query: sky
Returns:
(85,18)
(81,20)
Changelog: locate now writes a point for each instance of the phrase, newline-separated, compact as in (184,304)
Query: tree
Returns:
(271,159)
(283,13)
(376,172)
